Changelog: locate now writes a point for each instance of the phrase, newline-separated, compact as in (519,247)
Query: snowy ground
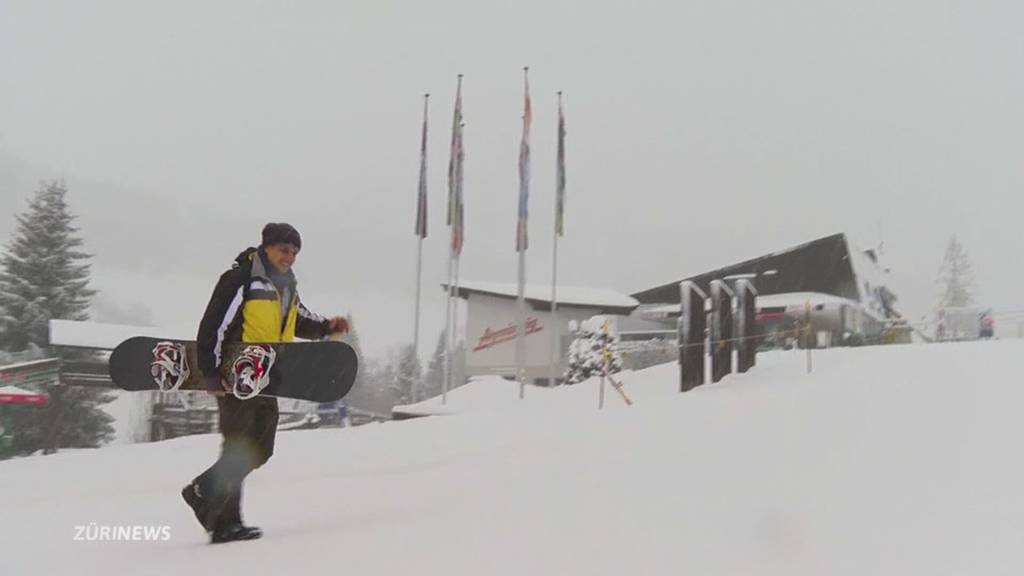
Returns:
(895,460)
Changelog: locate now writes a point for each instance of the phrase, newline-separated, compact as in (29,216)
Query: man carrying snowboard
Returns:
(255,301)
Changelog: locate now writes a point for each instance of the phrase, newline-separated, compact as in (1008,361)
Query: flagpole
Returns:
(521,233)
(521,328)
(554,311)
(421,233)
(447,331)
(416,324)
(455,322)
(555,328)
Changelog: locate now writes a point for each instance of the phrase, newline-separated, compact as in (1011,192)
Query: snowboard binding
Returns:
(251,370)
(169,367)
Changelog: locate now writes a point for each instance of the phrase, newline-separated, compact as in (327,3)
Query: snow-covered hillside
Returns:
(885,460)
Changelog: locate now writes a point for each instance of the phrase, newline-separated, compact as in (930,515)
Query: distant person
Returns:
(255,301)
(988,326)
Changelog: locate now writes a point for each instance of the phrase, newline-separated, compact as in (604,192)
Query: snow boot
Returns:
(235,532)
(198,504)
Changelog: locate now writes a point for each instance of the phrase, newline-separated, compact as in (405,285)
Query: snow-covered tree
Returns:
(352,339)
(955,276)
(389,381)
(364,394)
(432,382)
(587,351)
(458,367)
(406,370)
(44,275)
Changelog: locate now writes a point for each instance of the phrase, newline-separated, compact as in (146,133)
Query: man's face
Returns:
(282,256)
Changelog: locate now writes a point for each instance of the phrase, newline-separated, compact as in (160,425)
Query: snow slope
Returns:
(886,460)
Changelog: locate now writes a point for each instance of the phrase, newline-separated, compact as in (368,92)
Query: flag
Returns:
(421,206)
(560,174)
(522,242)
(458,225)
(455,217)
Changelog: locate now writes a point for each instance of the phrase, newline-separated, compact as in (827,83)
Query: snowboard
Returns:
(321,371)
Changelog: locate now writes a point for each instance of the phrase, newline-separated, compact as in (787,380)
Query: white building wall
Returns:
(491,336)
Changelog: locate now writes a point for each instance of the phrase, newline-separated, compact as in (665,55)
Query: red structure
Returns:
(15,395)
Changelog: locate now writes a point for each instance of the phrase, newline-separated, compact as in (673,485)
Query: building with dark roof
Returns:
(845,287)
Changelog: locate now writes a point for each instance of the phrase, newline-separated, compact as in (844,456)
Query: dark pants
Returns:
(249,428)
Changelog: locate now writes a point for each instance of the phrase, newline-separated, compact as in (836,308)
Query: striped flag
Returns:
(421,206)
(522,241)
(560,174)
(459,232)
(457,156)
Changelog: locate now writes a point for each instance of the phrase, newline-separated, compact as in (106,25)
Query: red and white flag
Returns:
(522,240)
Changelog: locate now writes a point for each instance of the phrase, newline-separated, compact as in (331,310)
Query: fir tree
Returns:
(458,367)
(45,276)
(955,277)
(352,336)
(433,382)
(352,339)
(361,396)
(405,371)
(586,353)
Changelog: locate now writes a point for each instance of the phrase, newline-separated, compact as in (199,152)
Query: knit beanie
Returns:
(281,233)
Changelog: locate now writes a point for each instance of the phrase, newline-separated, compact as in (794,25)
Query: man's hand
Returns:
(337,325)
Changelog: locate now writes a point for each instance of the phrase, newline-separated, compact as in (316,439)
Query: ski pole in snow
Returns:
(622,392)
(807,334)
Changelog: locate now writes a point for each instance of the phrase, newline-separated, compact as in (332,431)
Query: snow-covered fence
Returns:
(640,354)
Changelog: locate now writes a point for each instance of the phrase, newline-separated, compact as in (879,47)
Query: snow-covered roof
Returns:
(600,298)
(661,310)
(107,336)
(23,366)
(790,300)
(15,391)
(800,299)
(796,301)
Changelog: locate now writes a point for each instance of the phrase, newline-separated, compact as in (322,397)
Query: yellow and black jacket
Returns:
(246,306)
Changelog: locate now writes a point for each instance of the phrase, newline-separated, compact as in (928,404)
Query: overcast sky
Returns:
(700,133)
